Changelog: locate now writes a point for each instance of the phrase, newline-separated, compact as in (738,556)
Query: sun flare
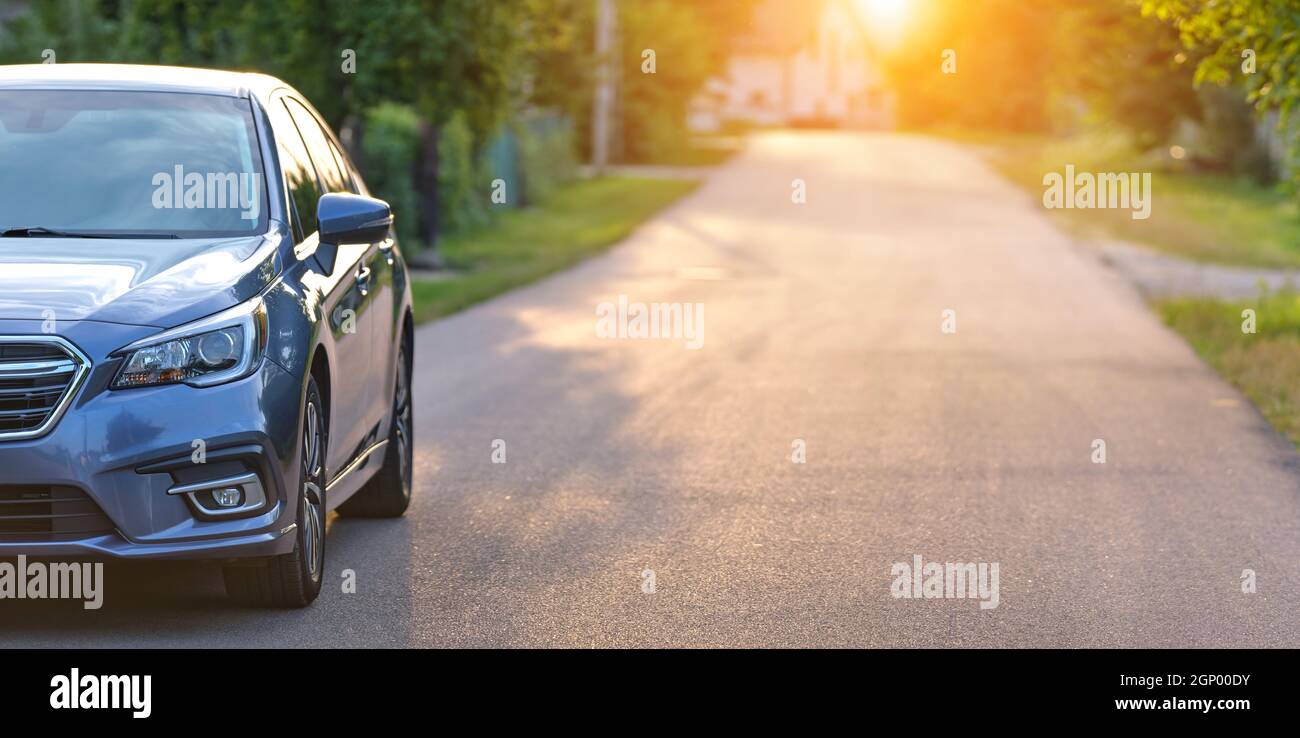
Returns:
(885,11)
(885,19)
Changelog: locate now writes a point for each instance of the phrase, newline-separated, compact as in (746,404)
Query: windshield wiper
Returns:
(31,231)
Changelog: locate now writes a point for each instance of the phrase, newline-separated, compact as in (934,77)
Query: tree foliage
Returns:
(1232,34)
(1131,69)
(1253,44)
(440,56)
(669,49)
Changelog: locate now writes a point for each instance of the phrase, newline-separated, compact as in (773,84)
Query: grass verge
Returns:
(1265,365)
(1204,217)
(580,219)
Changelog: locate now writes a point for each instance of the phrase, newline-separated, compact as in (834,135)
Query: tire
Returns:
(294,579)
(388,493)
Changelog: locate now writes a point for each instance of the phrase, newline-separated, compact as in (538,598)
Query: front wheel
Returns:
(388,493)
(294,579)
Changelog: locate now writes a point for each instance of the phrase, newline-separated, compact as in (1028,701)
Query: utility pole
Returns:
(603,104)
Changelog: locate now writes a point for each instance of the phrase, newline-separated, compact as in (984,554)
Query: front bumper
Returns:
(121,450)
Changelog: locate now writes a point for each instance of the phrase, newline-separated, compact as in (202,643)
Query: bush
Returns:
(390,147)
(533,156)
(547,154)
(464,183)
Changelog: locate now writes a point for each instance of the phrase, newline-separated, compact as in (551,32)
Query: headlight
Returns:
(216,349)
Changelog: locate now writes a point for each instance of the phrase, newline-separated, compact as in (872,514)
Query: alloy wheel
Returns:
(402,418)
(313,522)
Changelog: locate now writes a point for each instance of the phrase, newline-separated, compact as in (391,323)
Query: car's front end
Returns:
(142,411)
(94,469)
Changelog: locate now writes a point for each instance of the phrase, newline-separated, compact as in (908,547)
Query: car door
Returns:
(385,330)
(345,294)
(374,275)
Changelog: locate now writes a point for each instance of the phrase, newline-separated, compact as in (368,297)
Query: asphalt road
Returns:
(822,323)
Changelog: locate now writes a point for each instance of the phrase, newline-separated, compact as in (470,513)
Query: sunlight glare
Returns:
(885,16)
(891,12)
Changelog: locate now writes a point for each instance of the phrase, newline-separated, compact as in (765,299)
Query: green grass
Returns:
(1204,217)
(704,151)
(1265,365)
(522,246)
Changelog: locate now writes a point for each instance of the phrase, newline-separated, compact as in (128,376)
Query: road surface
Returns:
(822,324)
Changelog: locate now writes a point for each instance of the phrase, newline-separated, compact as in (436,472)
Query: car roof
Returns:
(137,78)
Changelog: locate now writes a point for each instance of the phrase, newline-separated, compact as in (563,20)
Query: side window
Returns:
(343,167)
(318,146)
(299,174)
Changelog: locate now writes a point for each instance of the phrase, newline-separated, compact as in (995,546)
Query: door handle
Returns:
(363,279)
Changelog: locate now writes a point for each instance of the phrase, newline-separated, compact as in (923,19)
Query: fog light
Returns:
(234,495)
(227,496)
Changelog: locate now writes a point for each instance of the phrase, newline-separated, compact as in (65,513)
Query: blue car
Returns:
(205,326)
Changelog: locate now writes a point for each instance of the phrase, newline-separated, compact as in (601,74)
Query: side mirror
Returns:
(348,218)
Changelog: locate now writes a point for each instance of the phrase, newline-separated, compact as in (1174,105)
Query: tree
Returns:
(1253,43)
(75,30)
(1130,69)
(690,42)
(442,57)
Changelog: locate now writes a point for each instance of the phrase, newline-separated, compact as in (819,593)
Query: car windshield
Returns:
(112,163)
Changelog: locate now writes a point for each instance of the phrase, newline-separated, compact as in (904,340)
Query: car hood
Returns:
(148,282)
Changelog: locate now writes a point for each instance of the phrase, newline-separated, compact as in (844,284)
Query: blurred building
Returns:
(803,63)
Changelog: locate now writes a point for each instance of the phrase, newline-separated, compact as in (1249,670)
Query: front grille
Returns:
(38,513)
(37,378)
